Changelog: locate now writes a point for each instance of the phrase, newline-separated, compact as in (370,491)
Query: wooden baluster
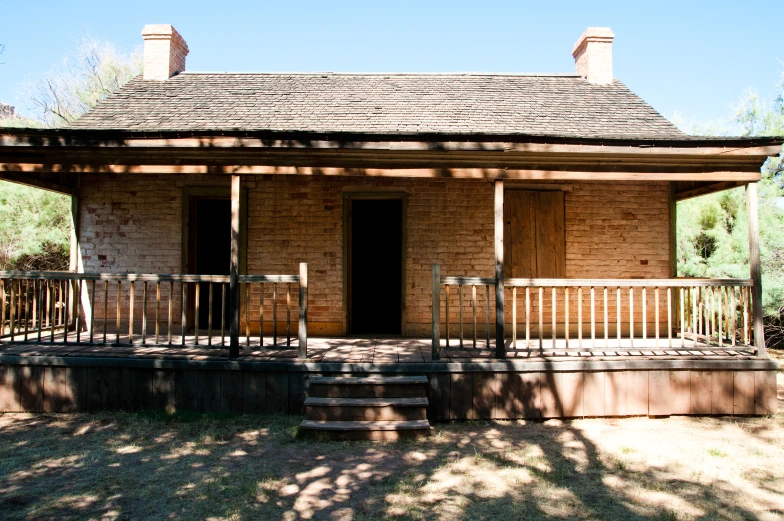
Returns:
(527,317)
(746,325)
(223,314)
(2,307)
(733,325)
(92,312)
(247,313)
(105,306)
(460,313)
(144,313)
(209,315)
(48,285)
(40,309)
(682,304)
(606,319)
(644,317)
(566,317)
(261,314)
(580,317)
(183,311)
(554,309)
(117,318)
(288,315)
(656,313)
(52,310)
(669,317)
(170,319)
(77,306)
(35,305)
(487,315)
(725,291)
(618,315)
(131,306)
(157,311)
(66,311)
(274,314)
(541,318)
(26,307)
(720,312)
(593,318)
(196,307)
(631,317)
(695,323)
(473,315)
(447,314)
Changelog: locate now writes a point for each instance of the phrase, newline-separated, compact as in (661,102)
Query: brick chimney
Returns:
(593,55)
(164,52)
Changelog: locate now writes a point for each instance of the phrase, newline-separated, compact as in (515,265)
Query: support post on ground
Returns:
(436,317)
(234,286)
(498,204)
(302,330)
(754,268)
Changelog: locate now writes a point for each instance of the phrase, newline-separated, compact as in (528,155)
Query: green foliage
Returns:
(713,229)
(34,228)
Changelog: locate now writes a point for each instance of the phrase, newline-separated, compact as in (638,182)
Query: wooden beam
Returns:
(706,189)
(498,218)
(22,179)
(234,287)
(755,269)
(431,173)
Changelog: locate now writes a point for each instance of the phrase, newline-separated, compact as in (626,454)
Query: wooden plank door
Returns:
(534,233)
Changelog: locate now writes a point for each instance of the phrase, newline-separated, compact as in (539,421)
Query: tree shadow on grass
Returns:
(155,465)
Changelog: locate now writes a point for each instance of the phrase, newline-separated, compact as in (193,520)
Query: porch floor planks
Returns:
(365,350)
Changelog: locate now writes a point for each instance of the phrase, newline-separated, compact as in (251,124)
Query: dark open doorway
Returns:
(209,251)
(375,265)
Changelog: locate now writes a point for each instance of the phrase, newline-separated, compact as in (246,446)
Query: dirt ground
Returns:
(154,466)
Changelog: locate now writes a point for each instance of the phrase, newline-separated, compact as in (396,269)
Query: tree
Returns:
(80,81)
(712,230)
(35,224)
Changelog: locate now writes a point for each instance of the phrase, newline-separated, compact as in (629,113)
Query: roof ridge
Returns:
(330,73)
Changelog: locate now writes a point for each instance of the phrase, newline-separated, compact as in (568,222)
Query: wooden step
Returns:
(365,409)
(367,430)
(368,387)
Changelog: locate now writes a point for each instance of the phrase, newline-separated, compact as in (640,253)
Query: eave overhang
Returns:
(396,155)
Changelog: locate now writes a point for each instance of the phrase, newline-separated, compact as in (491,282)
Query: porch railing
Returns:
(152,309)
(596,315)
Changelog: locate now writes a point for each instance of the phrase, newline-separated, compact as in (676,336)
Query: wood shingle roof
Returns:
(492,104)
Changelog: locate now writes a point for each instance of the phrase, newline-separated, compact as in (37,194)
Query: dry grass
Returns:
(152,466)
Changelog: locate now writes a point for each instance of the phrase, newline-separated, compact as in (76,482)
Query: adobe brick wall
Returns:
(133,224)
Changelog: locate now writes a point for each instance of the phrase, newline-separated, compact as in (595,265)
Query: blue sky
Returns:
(691,58)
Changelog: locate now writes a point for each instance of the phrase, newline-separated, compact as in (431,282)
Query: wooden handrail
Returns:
(625,283)
(143,277)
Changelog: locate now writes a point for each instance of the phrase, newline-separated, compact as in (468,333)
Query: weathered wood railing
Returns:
(638,314)
(603,315)
(149,309)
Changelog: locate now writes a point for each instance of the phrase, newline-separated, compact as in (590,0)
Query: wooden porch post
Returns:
(302,330)
(436,320)
(234,286)
(498,203)
(73,262)
(754,265)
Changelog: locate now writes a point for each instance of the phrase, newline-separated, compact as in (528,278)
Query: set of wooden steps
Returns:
(367,408)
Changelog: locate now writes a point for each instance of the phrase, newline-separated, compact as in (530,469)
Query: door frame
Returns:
(192,193)
(348,198)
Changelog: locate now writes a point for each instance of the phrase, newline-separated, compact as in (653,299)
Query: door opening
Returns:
(209,254)
(375,266)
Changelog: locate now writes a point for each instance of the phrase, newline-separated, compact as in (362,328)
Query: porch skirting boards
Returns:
(456,391)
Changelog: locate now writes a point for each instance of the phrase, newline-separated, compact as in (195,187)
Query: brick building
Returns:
(511,181)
